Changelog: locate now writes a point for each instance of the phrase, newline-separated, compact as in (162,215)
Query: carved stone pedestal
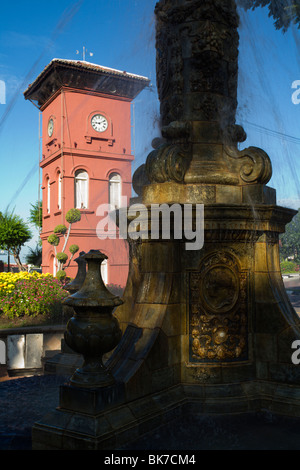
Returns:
(67,361)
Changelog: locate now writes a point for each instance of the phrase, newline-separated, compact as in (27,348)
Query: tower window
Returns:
(104,271)
(81,189)
(48,195)
(115,190)
(54,268)
(59,191)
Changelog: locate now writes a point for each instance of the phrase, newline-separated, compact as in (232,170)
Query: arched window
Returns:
(59,193)
(48,195)
(54,268)
(104,271)
(81,189)
(115,190)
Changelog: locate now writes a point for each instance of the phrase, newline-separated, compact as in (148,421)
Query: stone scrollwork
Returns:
(139,179)
(235,133)
(218,311)
(255,164)
(167,163)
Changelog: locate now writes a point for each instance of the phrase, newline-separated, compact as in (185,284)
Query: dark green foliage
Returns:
(290,240)
(36,215)
(14,233)
(34,256)
(284,12)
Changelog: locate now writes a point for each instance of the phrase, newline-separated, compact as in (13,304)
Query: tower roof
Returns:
(83,76)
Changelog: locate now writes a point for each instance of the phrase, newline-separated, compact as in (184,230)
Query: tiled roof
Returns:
(87,66)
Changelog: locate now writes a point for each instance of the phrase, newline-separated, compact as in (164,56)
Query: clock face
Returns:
(99,123)
(50,127)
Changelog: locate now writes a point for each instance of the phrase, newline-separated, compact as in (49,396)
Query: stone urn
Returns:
(93,330)
(76,284)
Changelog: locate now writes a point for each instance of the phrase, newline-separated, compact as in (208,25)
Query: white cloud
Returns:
(291,203)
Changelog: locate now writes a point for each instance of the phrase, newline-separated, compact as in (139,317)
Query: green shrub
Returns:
(60,275)
(73,215)
(288,266)
(53,240)
(73,249)
(60,229)
(62,257)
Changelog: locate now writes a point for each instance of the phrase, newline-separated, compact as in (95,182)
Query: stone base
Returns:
(91,400)
(112,428)
(63,364)
(24,372)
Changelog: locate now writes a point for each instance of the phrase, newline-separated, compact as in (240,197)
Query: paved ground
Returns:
(24,400)
(257,431)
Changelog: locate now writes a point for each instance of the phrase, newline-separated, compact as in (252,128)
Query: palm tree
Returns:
(36,215)
(34,256)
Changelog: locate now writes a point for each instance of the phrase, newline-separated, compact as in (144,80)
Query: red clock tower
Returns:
(86,154)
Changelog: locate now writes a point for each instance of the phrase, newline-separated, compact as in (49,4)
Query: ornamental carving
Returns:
(169,64)
(218,310)
(254,164)
(216,10)
(167,163)
(209,38)
(209,74)
(197,50)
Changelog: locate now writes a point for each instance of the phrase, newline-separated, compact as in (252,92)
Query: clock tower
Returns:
(86,154)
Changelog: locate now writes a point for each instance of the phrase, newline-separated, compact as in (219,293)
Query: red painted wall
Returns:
(75,145)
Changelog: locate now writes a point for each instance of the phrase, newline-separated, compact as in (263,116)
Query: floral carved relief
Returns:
(218,310)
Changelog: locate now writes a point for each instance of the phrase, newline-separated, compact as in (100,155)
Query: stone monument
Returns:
(207,330)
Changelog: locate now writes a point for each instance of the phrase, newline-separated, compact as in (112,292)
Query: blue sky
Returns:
(120,34)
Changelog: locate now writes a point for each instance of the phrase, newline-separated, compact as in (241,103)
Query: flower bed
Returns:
(30,294)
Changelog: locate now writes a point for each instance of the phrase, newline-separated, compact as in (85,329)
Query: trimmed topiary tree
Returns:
(61,231)
(61,275)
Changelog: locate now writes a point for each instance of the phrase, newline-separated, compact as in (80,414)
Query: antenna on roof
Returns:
(84,52)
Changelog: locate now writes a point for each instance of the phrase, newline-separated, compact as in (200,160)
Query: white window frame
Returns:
(59,195)
(115,190)
(54,266)
(48,196)
(104,271)
(81,188)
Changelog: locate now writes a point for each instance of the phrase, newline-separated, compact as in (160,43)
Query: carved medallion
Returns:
(218,310)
